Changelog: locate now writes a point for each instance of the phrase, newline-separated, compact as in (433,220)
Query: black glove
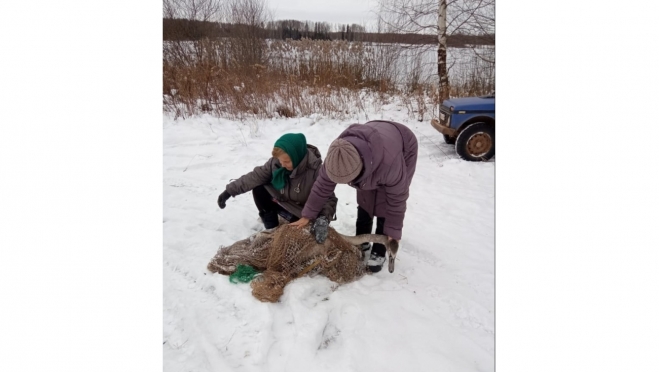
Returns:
(222,200)
(319,229)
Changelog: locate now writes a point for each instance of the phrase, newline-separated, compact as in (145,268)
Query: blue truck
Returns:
(468,123)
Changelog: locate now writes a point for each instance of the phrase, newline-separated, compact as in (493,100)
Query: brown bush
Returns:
(234,77)
(285,111)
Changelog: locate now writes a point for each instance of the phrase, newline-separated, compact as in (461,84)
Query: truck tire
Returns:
(449,140)
(476,142)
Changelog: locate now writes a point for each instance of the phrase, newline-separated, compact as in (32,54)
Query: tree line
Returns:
(186,29)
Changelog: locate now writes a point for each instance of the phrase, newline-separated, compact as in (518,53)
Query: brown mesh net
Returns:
(286,253)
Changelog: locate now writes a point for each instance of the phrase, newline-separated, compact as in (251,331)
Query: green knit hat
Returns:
(295,145)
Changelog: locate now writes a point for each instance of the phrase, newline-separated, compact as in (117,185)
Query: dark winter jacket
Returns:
(389,152)
(298,186)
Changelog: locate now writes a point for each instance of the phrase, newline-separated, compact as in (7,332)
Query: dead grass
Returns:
(239,78)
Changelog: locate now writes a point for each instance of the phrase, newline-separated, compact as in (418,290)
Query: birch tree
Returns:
(443,18)
(442,71)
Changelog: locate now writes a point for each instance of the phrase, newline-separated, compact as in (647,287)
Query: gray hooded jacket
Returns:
(298,186)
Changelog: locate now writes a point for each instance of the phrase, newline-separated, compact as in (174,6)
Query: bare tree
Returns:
(442,18)
(197,10)
(476,17)
(442,72)
(249,18)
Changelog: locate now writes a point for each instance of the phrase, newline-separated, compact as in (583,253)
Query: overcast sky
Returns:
(331,11)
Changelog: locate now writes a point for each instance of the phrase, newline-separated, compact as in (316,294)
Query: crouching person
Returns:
(283,184)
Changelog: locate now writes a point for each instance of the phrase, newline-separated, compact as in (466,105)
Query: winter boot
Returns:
(377,258)
(270,219)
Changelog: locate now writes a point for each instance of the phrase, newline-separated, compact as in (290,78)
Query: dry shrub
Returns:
(474,74)
(285,111)
(289,78)
(239,77)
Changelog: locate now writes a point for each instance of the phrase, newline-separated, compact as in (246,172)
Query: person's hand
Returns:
(222,199)
(319,229)
(302,222)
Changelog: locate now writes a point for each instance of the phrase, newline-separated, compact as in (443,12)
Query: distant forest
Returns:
(182,29)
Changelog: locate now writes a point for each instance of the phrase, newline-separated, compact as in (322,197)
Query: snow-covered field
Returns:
(434,313)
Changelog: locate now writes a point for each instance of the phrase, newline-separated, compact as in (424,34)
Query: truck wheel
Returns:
(449,140)
(476,142)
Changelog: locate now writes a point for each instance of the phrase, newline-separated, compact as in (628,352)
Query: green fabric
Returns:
(295,145)
(243,274)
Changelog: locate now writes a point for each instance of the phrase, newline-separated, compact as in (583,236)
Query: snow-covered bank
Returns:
(435,312)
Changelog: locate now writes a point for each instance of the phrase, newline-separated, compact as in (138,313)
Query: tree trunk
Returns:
(441,53)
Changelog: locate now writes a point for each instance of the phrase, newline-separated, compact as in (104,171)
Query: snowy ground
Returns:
(434,313)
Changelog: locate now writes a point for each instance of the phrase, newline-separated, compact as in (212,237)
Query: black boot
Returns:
(270,219)
(377,258)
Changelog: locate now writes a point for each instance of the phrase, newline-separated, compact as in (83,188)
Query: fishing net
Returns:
(285,253)
(243,274)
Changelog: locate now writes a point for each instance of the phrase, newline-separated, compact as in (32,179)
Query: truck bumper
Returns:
(442,129)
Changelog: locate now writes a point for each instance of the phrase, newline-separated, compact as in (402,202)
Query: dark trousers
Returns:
(268,209)
(365,226)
